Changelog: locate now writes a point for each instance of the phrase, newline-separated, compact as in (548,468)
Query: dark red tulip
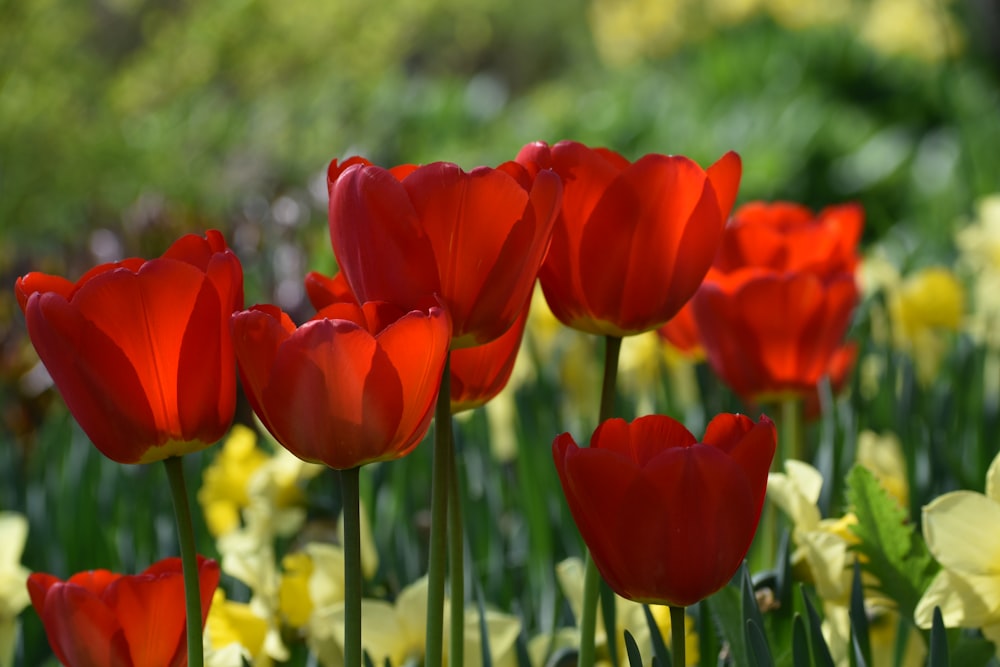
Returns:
(633,240)
(102,619)
(141,349)
(475,239)
(668,519)
(354,385)
(776,305)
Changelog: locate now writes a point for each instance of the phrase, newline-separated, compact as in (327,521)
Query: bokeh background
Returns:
(125,123)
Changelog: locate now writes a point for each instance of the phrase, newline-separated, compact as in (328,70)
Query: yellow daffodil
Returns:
(823,555)
(628,616)
(915,28)
(234,633)
(883,456)
(929,305)
(962,530)
(223,493)
(13,581)
(396,631)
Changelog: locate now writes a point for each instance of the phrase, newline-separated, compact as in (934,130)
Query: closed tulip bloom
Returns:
(475,239)
(141,349)
(355,384)
(101,619)
(634,239)
(778,301)
(479,373)
(668,519)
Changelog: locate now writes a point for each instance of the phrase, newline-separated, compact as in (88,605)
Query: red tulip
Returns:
(776,305)
(668,520)
(102,619)
(479,373)
(474,239)
(682,333)
(633,240)
(354,385)
(141,350)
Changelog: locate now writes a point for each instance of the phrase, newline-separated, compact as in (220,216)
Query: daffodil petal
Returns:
(962,530)
(965,601)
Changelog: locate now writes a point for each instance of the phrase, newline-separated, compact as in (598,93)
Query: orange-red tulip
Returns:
(776,305)
(633,240)
(668,519)
(141,350)
(682,333)
(475,239)
(102,619)
(354,385)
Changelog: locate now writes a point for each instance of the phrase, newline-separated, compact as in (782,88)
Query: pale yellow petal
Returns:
(796,492)
(502,630)
(383,636)
(962,530)
(829,560)
(883,456)
(968,602)
(411,607)
(540,647)
(326,580)
(13,535)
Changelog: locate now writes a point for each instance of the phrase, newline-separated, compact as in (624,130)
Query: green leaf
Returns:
(726,609)
(820,651)
(939,642)
(896,555)
(758,645)
(753,618)
(632,650)
(660,649)
(800,643)
(861,651)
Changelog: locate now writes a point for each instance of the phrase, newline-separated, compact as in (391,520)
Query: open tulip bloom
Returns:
(668,519)
(141,349)
(101,619)
(634,239)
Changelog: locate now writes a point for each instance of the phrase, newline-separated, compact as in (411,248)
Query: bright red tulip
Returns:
(776,305)
(668,519)
(633,240)
(682,333)
(354,385)
(102,619)
(141,350)
(475,239)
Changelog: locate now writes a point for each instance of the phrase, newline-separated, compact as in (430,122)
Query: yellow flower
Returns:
(924,30)
(223,491)
(234,632)
(13,581)
(628,616)
(962,529)
(929,304)
(397,631)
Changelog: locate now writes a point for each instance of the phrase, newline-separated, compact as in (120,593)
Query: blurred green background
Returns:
(125,123)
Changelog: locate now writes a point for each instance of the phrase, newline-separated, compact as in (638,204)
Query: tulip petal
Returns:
(82,630)
(650,436)
(725,177)
(370,209)
(151,612)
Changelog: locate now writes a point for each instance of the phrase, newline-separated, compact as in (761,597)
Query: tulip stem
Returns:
(456,558)
(437,559)
(351,490)
(189,559)
(790,444)
(678,633)
(592,580)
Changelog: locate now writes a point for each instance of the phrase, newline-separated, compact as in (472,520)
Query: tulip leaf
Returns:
(607,601)
(726,608)
(800,643)
(753,617)
(632,650)
(861,652)
(758,645)
(820,651)
(938,654)
(896,555)
(660,649)
(484,633)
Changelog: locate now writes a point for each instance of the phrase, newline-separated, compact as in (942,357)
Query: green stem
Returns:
(351,489)
(790,445)
(439,521)
(189,559)
(592,581)
(678,633)
(456,561)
